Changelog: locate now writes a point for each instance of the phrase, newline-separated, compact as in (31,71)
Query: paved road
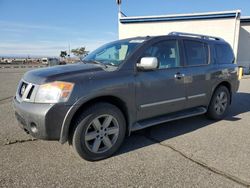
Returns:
(194,152)
(9,80)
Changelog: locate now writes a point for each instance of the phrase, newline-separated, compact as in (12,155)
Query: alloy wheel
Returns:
(221,103)
(102,133)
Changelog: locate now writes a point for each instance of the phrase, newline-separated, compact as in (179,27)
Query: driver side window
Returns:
(167,53)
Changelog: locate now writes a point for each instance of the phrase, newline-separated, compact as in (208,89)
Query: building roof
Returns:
(245,19)
(179,17)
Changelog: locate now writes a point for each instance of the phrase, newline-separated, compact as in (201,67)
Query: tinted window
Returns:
(224,54)
(166,52)
(196,53)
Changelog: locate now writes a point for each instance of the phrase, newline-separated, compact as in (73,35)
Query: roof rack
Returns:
(195,36)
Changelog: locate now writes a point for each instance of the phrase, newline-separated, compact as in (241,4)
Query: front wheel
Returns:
(219,104)
(99,132)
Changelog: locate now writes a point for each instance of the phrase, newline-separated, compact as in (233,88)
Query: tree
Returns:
(80,52)
(63,54)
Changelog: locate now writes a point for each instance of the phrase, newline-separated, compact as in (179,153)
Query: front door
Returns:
(161,91)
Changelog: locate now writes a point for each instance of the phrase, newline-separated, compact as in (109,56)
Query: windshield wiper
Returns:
(95,62)
(111,64)
(105,64)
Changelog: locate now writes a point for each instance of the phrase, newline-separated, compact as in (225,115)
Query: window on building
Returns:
(196,53)
(167,53)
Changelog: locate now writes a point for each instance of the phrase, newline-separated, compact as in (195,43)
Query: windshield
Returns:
(113,53)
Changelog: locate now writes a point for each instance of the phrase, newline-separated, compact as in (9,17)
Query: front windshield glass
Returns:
(113,53)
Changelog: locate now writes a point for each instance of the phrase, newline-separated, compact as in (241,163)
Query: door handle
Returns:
(179,75)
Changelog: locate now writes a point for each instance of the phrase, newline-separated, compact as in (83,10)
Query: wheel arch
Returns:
(227,85)
(78,108)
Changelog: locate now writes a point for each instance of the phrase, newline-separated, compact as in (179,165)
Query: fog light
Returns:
(33,127)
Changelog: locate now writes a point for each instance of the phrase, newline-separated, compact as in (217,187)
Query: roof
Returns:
(245,19)
(191,36)
(179,17)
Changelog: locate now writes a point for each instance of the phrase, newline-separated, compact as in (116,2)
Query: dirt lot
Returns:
(194,152)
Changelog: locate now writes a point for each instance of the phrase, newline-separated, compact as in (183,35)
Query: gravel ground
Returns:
(194,152)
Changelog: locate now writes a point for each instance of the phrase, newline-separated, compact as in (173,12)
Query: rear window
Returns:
(224,54)
(196,53)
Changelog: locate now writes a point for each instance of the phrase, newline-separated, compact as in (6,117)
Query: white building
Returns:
(244,42)
(227,24)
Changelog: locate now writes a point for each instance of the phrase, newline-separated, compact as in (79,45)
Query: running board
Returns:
(170,117)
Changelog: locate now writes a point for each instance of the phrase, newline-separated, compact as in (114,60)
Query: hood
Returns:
(44,75)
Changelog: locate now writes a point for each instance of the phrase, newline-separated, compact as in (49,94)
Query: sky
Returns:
(45,27)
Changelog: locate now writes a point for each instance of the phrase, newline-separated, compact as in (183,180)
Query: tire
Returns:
(219,103)
(99,132)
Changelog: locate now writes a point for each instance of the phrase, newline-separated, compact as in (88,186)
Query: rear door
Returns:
(161,91)
(198,72)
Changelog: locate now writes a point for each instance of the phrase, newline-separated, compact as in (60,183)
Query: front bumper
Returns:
(42,121)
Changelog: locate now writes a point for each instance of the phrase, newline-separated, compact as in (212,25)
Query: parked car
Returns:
(125,86)
(50,61)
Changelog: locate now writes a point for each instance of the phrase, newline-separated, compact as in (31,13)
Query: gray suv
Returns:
(125,86)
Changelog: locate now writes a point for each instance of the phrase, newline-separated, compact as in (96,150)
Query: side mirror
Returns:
(148,63)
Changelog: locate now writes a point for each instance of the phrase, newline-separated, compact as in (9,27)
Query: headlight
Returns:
(54,92)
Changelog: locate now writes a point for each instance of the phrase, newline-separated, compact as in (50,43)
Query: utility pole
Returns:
(120,14)
(119,2)
(69,50)
(69,53)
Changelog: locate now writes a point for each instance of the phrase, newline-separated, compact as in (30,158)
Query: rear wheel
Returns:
(99,132)
(219,104)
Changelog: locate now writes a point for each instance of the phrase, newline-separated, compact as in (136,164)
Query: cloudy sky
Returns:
(45,27)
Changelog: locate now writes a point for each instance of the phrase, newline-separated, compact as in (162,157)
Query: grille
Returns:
(30,92)
(22,89)
(26,91)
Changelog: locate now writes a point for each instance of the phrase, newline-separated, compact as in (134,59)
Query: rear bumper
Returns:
(42,121)
(235,86)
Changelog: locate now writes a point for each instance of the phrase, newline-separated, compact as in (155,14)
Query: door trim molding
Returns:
(172,100)
(196,96)
(162,102)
